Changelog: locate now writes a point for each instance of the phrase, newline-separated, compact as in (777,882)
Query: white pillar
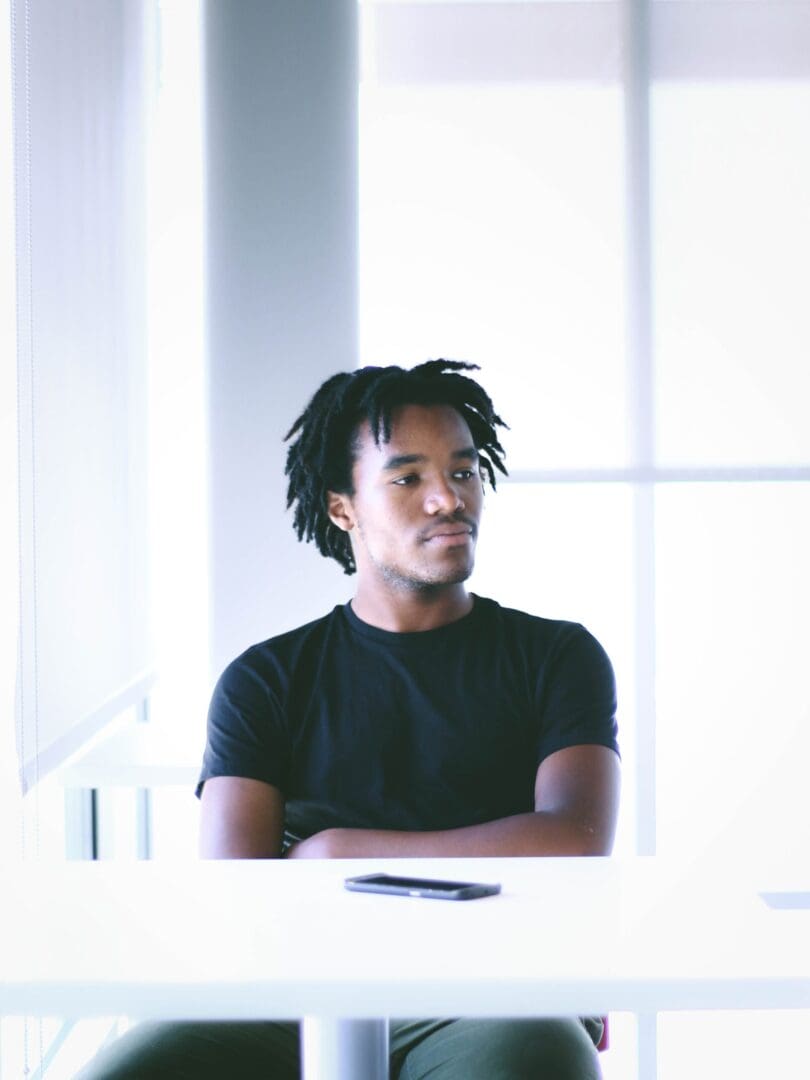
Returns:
(345,1049)
(280,150)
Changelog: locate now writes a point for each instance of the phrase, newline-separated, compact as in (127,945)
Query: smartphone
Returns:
(426,887)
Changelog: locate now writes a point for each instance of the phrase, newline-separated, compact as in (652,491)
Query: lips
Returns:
(439,534)
(450,533)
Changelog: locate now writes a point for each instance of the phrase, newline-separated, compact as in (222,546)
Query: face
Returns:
(413,517)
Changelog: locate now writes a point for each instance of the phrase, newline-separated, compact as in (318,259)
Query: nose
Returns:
(443,498)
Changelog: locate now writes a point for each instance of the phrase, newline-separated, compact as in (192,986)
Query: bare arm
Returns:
(240,819)
(576,803)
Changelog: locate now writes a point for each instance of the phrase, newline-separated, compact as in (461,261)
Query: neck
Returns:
(404,612)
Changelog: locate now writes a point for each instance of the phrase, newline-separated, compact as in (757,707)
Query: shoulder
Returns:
(553,648)
(574,687)
(264,663)
(553,634)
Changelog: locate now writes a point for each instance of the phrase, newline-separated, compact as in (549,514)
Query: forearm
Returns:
(539,833)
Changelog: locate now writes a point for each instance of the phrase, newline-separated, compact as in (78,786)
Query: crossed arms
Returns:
(576,799)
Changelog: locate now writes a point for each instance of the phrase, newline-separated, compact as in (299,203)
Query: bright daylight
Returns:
(405,473)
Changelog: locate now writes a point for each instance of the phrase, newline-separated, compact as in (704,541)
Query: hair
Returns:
(321,458)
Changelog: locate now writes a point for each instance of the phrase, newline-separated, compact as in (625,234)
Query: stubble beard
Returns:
(404,581)
(410,580)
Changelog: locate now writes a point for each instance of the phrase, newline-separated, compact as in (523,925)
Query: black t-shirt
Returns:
(360,727)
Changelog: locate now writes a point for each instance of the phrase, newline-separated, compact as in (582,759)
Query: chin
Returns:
(452,576)
(456,578)
(409,582)
(430,576)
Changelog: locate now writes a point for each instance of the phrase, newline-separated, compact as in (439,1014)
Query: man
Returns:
(417,720)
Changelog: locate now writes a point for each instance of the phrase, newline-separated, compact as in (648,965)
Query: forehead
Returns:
(416,429)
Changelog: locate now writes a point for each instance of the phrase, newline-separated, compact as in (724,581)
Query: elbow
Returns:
(589,839)
(594,841)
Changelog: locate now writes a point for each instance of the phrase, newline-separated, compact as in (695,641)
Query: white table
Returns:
(250,940)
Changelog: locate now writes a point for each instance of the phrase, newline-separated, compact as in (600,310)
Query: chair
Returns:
(604,1042)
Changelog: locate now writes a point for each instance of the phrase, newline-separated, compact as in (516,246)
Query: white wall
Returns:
(280,136)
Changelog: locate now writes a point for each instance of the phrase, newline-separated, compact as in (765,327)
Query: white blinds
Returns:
(79,163)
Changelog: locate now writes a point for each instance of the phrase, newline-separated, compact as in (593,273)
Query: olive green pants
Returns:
(469,1049)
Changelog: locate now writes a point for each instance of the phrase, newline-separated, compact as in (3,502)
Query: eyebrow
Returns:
(469,453)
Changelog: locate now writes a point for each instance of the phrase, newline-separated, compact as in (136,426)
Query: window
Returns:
(162,47)
(604,205)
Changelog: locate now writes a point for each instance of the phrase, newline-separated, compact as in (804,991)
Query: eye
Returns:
(464,474)
(405,481)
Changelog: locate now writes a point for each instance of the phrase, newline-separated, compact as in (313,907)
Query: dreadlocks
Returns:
(321,458)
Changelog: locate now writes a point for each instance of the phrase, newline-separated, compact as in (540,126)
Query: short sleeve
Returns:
(577,695)
(246,733)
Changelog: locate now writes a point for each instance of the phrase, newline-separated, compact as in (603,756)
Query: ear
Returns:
(340,510)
